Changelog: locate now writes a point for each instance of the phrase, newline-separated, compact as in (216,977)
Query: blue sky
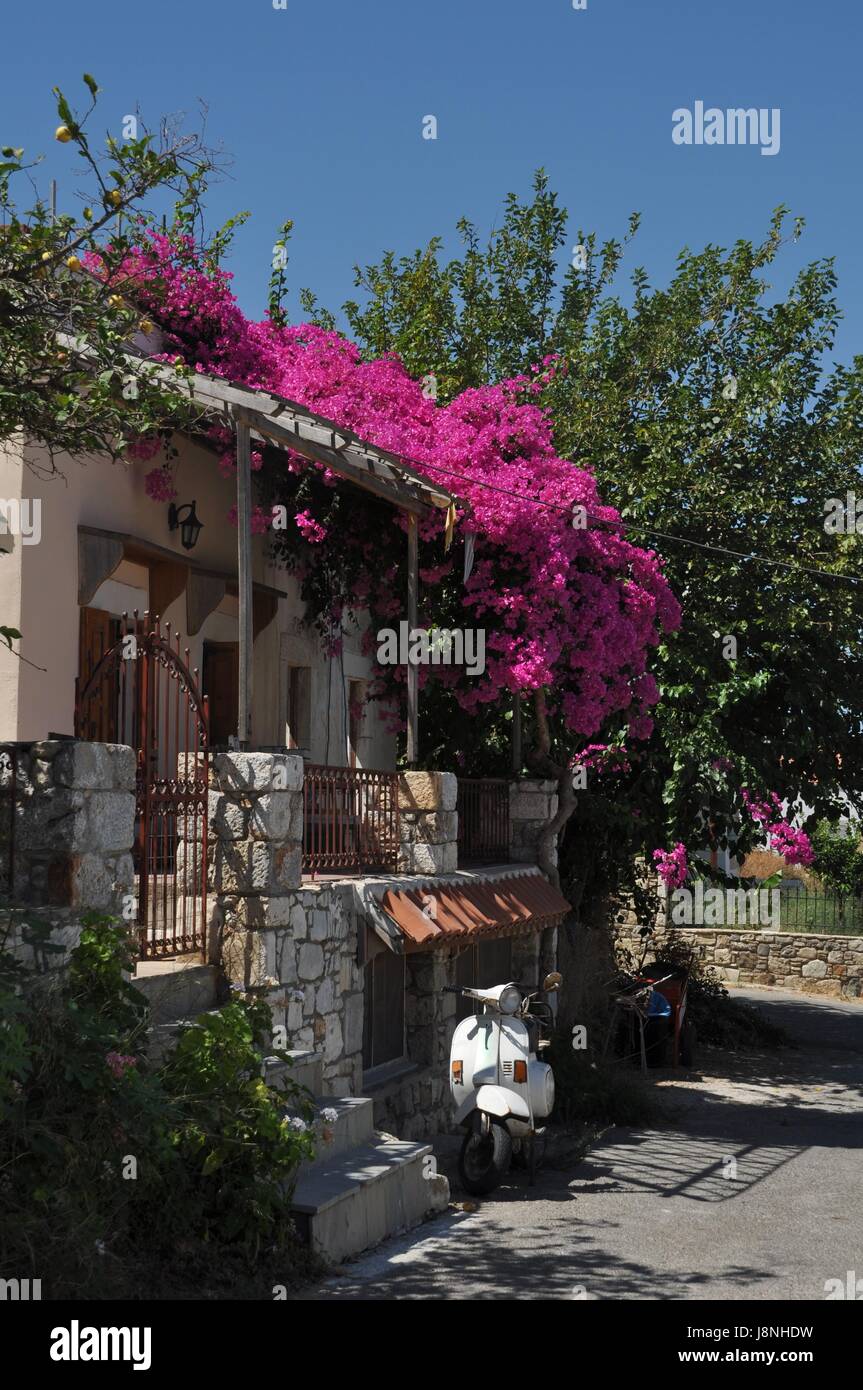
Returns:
(320,107)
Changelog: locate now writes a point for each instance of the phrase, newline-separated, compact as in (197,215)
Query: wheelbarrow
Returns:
(672,982)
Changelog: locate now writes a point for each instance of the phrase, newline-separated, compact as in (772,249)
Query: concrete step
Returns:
(352,1128)
(349,1202)
(306,1068)
(176,989)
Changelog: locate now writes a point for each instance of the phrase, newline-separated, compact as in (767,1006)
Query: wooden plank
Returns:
(413,669)
(204,593)
(396,493)
(244,576)
(98,557)
(167,582)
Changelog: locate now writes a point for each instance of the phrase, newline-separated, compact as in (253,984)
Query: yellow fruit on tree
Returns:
(114,197)
(73,263)
(146,325)
(63,134)
(115,301)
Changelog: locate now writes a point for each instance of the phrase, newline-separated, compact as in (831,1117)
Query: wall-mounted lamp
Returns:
(187,520)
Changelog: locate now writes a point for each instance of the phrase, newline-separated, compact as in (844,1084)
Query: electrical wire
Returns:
(751,556)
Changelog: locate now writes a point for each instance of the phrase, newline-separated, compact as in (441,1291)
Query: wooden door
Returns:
(97,634)
(221,684)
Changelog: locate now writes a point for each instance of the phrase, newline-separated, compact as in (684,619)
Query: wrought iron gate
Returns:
(141,691)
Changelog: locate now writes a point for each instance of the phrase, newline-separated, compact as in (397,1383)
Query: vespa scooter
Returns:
(500,1087)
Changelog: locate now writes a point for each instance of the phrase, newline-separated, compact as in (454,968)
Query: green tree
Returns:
(67,380)
(712,423)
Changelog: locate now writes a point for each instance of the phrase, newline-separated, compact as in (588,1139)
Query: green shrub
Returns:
(115,1171)
(592,1091)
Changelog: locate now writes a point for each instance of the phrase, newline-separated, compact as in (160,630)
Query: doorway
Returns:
(221,683)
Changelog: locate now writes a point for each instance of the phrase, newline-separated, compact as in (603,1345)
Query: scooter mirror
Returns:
(552,981)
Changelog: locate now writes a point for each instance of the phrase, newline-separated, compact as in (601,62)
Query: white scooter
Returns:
(499,1086)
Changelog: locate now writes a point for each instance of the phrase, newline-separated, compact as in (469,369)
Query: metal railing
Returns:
(350,820)
(483,820)
(824,913)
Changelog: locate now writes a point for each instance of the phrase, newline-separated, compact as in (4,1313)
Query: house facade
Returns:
(105,549)
(302,865)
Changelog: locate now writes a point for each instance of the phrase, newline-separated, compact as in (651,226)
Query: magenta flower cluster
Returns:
(671,865)
(118,1064)
(782,837)
(574,611)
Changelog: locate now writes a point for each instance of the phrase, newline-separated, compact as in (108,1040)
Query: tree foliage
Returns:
(712,420)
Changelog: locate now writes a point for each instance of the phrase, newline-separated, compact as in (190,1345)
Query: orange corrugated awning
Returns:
(429,916)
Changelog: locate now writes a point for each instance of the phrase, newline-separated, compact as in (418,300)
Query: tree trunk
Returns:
(540,761)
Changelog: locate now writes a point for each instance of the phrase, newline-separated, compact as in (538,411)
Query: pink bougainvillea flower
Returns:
(567,609)
(671,865)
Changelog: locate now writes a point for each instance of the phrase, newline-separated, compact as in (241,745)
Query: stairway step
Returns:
(306,1068)
(352,1201)
(352,1128)
(177,989)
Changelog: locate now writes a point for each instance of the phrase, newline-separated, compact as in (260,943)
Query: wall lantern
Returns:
(186,518)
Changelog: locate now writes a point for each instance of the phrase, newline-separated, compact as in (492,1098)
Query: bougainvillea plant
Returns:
(570,607)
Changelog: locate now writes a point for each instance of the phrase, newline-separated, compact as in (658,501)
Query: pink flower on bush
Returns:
(159,485)
(119,1064)
(144,447)
(782,837)
(671,865)
(794,845)
(312,531)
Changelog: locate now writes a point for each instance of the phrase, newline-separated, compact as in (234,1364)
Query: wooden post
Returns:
(516,735)
(413,669)
(244,575)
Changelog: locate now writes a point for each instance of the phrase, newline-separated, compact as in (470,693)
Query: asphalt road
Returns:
(752,1189)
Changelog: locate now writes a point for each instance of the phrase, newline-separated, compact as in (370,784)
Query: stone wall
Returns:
(428,823)
(813,964)
(66,833)
(300,943)
(295,942)
(532,803)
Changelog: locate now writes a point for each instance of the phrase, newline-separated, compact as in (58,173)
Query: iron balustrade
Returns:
(350,820)
(483,820)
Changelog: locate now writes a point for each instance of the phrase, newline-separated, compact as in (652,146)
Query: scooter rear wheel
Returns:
(485,1158)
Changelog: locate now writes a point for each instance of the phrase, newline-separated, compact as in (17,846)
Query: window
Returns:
(384,1009)
(298,711)
(487,963)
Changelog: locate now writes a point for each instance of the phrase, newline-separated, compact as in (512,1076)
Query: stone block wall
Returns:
(809,962)
(428,823)
(532,803)
(67,822)
(297,943)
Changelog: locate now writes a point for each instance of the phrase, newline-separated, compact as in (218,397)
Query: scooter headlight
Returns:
(510,1000)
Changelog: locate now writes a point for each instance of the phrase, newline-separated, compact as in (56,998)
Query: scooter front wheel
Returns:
(485,1157)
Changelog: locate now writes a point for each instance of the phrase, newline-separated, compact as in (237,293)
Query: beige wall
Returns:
(39,596)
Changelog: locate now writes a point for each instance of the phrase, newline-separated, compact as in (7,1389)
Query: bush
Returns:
(591,1091)
(117,1173)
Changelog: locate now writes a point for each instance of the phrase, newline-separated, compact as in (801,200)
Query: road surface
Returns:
(752,1189)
